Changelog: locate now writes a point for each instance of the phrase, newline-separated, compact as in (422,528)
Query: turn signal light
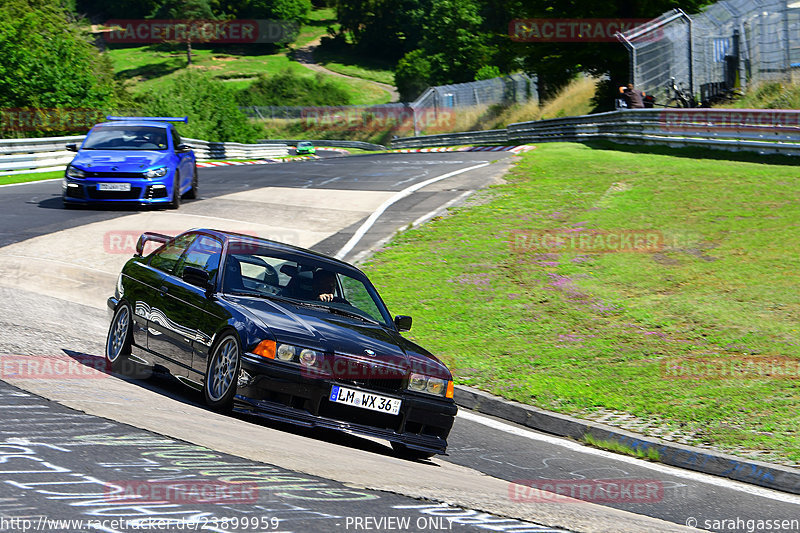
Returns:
(265,348)
(449,393)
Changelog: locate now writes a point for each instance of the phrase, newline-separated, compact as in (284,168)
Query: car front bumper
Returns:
(142,191)
(281,392)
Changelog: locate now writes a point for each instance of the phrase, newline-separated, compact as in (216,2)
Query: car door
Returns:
(185,160)
(203,315)
(169,332)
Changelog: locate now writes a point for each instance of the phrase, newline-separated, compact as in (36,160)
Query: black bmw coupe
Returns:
(281,332)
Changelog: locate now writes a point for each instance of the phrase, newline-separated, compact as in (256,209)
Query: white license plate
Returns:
(365,400)
(113,186)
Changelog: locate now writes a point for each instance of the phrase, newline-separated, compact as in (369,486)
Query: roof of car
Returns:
(279,246)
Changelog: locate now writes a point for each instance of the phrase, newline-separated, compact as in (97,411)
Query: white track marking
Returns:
(359,234)
(664,469)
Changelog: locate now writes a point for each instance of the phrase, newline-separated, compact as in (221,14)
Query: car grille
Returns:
(369,375)
(115,175)
(133,194)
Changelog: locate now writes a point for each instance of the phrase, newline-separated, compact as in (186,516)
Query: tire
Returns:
(175,203)
(118,345)
(404,452)
(219,385)
(192,194)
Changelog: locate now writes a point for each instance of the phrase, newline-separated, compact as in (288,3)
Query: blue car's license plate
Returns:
(365,400)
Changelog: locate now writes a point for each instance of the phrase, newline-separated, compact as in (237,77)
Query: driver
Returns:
(325,286)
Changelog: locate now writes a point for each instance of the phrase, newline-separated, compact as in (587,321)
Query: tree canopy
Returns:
(48,60)
(449,41)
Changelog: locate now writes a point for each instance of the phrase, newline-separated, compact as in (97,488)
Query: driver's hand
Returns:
(326,297)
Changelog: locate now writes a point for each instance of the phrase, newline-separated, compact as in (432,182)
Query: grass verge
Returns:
(24,178)
(577,332)
(616,447)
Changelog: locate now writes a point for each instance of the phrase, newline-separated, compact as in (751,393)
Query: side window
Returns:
(176,139)
(167,257)
(356,293)
(204,253)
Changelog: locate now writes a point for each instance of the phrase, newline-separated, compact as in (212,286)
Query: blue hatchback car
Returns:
(137,160)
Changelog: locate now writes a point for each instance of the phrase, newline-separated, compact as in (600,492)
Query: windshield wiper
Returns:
(351,314)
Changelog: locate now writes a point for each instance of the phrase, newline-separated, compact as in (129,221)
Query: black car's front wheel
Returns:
(223,368)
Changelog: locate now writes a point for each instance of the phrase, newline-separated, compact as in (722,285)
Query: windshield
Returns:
(266,273)
(126,138)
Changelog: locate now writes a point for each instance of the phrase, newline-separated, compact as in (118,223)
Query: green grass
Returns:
(574,332)
(350,63)
(24,178)
(769,95)
(151,66)
(614,446)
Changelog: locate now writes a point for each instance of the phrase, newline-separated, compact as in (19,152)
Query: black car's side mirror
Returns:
(183,148)
(402,322)
(72,147)
(197,277)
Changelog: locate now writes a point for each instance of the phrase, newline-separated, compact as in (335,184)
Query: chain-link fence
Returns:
(504,90)
(730,44)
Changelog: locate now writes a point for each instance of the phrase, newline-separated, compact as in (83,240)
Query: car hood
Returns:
(120,160)
(341,335)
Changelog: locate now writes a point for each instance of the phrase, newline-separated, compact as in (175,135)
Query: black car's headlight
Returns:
(430,385)
(156,172)
(75,172)
(288,353)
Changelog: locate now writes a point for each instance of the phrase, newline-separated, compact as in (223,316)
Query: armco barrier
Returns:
(25,156)
(758,130)
(325,142)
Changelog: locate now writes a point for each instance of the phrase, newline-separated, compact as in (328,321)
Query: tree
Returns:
(48,61)
(211,106)
(190,10)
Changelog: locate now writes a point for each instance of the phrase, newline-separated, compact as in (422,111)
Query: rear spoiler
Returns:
(185,120)
(150,237)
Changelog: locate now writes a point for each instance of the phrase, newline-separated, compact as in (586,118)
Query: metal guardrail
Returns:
(327,142)
(26,156)
(450,139)
(764,131)
(205,150)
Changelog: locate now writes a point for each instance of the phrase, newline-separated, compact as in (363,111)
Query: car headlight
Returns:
(75,172)
(294,354)
(156,172)
(430,385)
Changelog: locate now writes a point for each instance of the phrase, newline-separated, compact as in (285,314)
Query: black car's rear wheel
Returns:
(401,450)
(223,368)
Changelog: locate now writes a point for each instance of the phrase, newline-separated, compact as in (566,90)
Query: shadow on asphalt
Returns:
(164,383)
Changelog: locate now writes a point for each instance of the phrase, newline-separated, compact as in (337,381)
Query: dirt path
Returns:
(305,56)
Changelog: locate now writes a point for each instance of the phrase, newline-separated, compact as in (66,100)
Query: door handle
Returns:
(164,288)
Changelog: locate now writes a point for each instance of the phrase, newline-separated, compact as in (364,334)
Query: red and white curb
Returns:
(516,149)
(253,162)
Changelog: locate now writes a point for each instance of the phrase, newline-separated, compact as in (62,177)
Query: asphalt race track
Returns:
(64,459)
